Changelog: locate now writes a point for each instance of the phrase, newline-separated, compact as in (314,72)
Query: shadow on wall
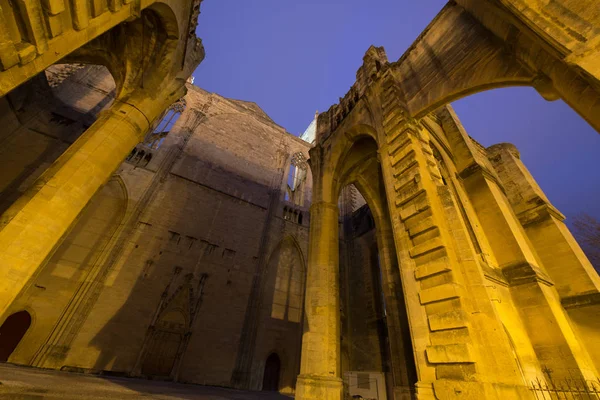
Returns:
(161,293)
(279,338)
(181,285)
(41,119)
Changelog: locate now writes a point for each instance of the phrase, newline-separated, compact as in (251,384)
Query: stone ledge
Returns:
(520,274)
(539,213)
(581,300)
(449,320)
(440,293)
(432,268)
(493,274)
(319,387)
(426,247)
(476,168)
(457,389)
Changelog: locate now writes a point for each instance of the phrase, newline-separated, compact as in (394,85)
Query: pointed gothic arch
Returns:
(287,266)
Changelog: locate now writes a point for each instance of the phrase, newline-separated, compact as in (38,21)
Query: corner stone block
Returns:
(450,354)
(440,293)
(432,268)
(449,320)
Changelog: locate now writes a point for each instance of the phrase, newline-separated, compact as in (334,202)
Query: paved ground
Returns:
(21,383)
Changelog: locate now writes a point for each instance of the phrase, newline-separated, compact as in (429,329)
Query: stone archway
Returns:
(150,50)
(11,332)
(352,160)
(461,249)
(550,46)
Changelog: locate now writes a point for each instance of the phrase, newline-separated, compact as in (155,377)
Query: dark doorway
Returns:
(11,333)
(271,377)
(161,355)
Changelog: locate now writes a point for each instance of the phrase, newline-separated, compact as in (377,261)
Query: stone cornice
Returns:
(323,204)
(581,300)
(522,273)
(539,214)
(494,275)
(478,168)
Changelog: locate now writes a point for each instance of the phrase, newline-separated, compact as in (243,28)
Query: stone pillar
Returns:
(574,277)
(319,377)
(549,331)
(403,363)
(559,252)
(32,227)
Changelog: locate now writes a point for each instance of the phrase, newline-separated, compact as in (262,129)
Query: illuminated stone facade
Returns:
(495,290)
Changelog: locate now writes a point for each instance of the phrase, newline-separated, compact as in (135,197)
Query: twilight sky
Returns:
(295,57)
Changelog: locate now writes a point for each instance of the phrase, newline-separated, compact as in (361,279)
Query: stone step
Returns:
(427,247)
(438,266)
(442,292)
(421,227)
(392,119)
(409,172)
(408,192)
(413,208)
(398,144)
(404,160)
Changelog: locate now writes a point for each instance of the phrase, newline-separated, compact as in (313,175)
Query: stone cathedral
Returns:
(153,230)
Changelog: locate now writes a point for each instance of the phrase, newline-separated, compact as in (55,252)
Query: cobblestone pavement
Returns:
(23,383)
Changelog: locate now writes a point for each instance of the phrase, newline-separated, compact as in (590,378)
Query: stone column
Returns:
(403,364)
(549,331)
(32,227)
(574,277)
(319,377)
(544,225)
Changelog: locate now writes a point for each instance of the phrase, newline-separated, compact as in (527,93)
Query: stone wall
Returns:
(159,267)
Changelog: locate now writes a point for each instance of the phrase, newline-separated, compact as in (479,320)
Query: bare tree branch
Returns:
(587,232)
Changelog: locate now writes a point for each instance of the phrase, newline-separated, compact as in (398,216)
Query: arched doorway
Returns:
(11,333)
(271,376)
(165,344)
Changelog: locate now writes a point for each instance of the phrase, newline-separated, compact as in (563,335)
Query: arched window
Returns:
(156,137)
(287,274)
(11,333)
(296,179)
(144,152)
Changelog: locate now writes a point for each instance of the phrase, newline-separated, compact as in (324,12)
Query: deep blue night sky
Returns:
(296,57)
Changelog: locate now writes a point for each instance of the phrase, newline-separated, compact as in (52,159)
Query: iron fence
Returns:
(566,389)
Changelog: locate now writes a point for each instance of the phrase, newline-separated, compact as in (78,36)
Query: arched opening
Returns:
(376,347)
(77,258)
(272,372)
(287,277)
(281,317)
(554,142)
(11,333)
(296,181)
(42,117)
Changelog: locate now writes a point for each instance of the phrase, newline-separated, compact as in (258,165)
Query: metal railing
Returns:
(566,389)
